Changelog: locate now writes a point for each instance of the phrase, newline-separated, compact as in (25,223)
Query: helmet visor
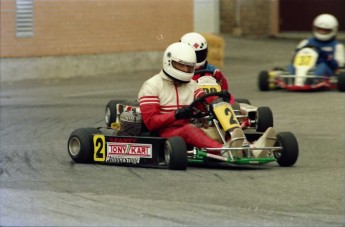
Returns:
(184,66)
(201,55)
(322,30)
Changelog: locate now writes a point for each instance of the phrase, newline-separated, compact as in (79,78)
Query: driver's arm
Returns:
(218,75)
(339,54)
(150,109)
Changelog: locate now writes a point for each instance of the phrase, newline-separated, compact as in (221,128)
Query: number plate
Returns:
(226,116)
(210,88)
(99,148)
(305,57)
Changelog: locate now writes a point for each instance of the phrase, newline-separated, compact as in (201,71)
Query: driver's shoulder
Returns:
(303,43)
(210,67)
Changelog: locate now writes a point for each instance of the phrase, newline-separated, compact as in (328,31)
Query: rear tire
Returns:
(289,154)
(110,112)
(263,81)
(80,144)
(264,118)
(175,153)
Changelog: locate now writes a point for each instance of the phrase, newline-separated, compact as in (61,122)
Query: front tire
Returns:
(289,154)
(263,81)
(264,118)
(175,153)
(80,144)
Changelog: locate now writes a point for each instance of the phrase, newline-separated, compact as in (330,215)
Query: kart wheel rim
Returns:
(167,153)
(277,154)
(74,146)
(107,115)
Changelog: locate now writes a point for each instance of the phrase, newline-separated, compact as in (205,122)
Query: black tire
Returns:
(341,81)
(242,100)
(288,156)
(110,112)
(264,118)
(80,144)
(175,153)
(263,81)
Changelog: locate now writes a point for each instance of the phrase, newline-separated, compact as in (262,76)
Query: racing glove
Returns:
(183,113)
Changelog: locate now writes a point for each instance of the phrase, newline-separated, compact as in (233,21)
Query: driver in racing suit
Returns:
(164,98)
(331,51)
(199,44)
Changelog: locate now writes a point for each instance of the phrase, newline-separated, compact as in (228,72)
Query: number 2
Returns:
(232,118)
(99,148)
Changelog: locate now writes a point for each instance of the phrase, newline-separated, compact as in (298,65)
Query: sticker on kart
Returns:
(210,88)
(208,84)
(115,152)
(99,148)
(305,58)
(226,116)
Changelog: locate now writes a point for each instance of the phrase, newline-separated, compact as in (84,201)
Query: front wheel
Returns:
(175,153)
(263,81)
(264,118)
(289,153)
(80,144)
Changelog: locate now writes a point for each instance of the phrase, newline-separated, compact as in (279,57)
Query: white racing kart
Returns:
(248,115)
(144,148)
(304,78)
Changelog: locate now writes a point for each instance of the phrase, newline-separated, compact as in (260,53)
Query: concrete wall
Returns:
(93,37)
(206,16)
(66,27)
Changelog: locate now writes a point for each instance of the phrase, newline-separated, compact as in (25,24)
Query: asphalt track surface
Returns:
(41,186)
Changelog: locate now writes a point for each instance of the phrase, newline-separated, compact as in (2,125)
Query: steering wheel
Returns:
(196,113)
(316,48)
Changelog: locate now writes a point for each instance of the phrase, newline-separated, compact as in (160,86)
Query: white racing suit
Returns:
(159,98)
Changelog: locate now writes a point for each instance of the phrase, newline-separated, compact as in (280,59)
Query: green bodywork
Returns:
(201,156)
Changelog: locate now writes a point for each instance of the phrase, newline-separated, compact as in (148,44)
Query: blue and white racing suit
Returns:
(331,55)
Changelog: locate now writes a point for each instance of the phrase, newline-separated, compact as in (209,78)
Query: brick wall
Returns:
(78,27)
(227,15)
(251,17)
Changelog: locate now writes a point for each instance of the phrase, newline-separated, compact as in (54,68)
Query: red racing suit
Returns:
(218,75)
(159,98)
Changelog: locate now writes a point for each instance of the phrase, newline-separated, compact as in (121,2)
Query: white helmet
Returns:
(325,27)
(199,44)
(179,62)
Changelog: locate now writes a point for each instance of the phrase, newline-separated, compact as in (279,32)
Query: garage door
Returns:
(298,15)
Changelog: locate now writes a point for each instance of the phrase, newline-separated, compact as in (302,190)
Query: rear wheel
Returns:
(80,144)
(264,118)
(263,81)
(110,112)
(175,153)
(341,81)
(289,154)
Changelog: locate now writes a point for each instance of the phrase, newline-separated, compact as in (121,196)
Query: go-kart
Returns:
(248,115)
(304,78)
(105,145)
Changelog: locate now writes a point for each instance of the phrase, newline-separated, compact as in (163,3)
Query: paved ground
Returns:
(40,185)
